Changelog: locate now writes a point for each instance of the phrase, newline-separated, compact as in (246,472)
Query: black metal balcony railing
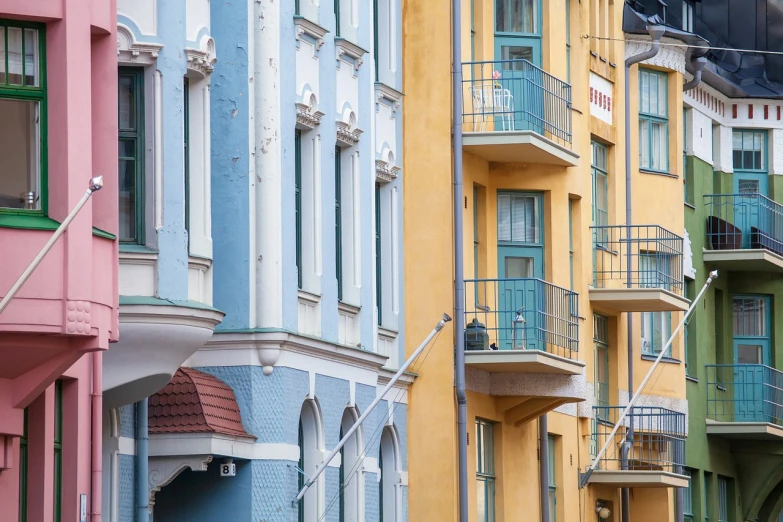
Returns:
(515,95)
(744,393)
(743,221)
(521,314)
(658,438)
(637,256)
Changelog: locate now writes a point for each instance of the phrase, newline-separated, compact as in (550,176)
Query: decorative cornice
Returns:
(162,471)
(307,114)
(170,314)
(200,61)
(385,172)
(668,57)
(345,48)
(384,92)
(346,135)
(131,51)
(311,29)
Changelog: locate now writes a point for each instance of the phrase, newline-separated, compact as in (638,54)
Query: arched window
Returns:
(350,474)
(388,464)
(310,456)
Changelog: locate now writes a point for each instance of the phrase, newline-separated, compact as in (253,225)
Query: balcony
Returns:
(655,449)
(515,112)
(744,401)
(744,233)
(637,268)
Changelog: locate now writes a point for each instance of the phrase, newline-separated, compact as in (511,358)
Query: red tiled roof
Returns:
(195,402)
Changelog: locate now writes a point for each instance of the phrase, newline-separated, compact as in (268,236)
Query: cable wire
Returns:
(672,44)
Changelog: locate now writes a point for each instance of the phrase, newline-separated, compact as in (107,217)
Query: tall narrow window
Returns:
(310,455)
(475,234)
(389,470)
(298,202)
(378,258)
(341,483)
(485,470)
(687,15)
(131,154)
(337,18)
(568,39)
(600,185)
(23,109)
(687,497)
(380,484)
(656,329)
(350,477)
(653,121)
(300,471)
(23,467)
(571,242)
(552,479)
(723,499)
(186,151)
(338,221)
(601,343)
(58,449)
(375,39)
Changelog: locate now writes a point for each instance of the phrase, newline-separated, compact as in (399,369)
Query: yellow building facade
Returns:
(552,272)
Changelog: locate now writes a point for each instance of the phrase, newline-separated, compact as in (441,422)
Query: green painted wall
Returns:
(754,473)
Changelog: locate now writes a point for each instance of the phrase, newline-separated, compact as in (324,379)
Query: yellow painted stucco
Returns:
(429,254)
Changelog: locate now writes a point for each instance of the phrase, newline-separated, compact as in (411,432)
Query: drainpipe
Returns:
(142,465)
(543,467)
(459,262)
(656,33)
(698,66)
(97,436)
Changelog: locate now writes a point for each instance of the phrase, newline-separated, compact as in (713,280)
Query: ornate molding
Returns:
(347,135)
(131,51)
(202,60)
(669,57)
(163,470)
(385,168)
(344,48)
(384,92)
(307,114)
(311,29)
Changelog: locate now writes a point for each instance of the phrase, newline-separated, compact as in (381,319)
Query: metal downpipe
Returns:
(459,262)
(698,67)
(543,467)
(656,33)
(142,462)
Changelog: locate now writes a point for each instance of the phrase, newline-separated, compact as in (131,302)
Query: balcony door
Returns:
(751,179)
(520,266)
(520,85)
(751,351)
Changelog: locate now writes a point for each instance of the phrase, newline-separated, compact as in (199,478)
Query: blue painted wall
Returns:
(127,503)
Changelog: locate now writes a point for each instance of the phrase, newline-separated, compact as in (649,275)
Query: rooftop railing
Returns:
(658,442)
(521,314)
(744,221)
(637,256)
(744,393)
(515,95)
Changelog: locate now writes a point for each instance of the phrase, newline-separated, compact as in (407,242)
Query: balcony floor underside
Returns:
(745,430)
(518,147)
(758,260)
(639,479)
(522,361)
(619,300)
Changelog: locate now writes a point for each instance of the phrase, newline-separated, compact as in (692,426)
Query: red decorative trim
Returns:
(734,111)
(592,92)
(750,111)
(766,112)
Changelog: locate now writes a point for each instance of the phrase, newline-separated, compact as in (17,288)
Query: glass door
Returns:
(751,355)
(751,180)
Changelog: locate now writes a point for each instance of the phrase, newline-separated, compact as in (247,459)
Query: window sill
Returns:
(136,249)
(668,360)
(32,222)
(691,379)
(690,205)
(659,173)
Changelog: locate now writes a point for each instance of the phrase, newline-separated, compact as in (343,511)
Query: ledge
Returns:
(639,479)
(311,29)
(522,361)
(518,147)
(745,260)
(620,300)
(34,222)
(745,430)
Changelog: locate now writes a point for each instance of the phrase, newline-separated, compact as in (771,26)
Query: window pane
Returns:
(500,15)
(127,186)
(529,18)
(31,57)
(653,94)
(644,143)
(658,145)
(662,95)
(750,317)
(127,116)
(515,16)
(481,500)
(14,56)
(504,218)
(644,102)
(19,172)
(2,54)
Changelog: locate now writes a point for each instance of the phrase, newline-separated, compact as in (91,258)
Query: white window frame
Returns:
(313,431)
(390,270)
(351,456)
(391,467)
(312,216)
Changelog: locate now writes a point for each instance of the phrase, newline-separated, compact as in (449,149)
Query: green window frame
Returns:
(485,470)
(690,294)
(749,151)
(298,203)
(300,472)
(600,175)
(296,7)
(687,496)
(568,39)
(653,121)
(130,120)
(186,151)
(338,220)
(23,469)
(375,50)
(723,499)
(336,18)
(18,84)
(571,242)
(601,343)
(552,479)
(378,257)
(58,450)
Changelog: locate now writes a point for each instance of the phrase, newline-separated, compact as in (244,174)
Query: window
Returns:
(485,470)
(131,154)
(517,16)
(375,50)
(552,479)
(23,462)
(378,258)
(338,221)
(687,497)
(568,39)
(350,476)
(601,342)
(475,236)
(653,121)
(58,449)
(687,15)
(186,150)
(518,218)
(300,472)
(387,464)
(336,18)
(656,329)
(748,150)
(600,185)
(298,202)
(23,108)
(310,456)
(723,499)
(571,242)
(689,337)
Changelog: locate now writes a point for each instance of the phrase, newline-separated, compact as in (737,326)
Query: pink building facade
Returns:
(58,128)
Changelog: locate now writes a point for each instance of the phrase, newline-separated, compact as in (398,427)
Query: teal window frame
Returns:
(338,221)
(690,294)
(485,467)
(336,18)
(551,459)
(23,468)
(599,166)
(687,496)
(538,218)
(296,7)
(763,159)
(375,50)
(536,24)
(378,257)
(568,40)
(601,344)
(650,117)
(58,450)
(186,151)
(136,136)
(300,472)
(298,203)
(723,499)
(34,94)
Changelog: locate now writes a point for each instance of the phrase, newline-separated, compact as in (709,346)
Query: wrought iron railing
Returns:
(744,221)
(657,444)
(514,95)
(744,393)
(637,256)
(521,314)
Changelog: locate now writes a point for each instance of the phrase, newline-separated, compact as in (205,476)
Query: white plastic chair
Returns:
(489,103)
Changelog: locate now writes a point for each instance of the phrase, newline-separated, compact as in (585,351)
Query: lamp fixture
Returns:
(603,512)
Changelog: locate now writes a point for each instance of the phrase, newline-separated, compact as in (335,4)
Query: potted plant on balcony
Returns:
(496,77)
